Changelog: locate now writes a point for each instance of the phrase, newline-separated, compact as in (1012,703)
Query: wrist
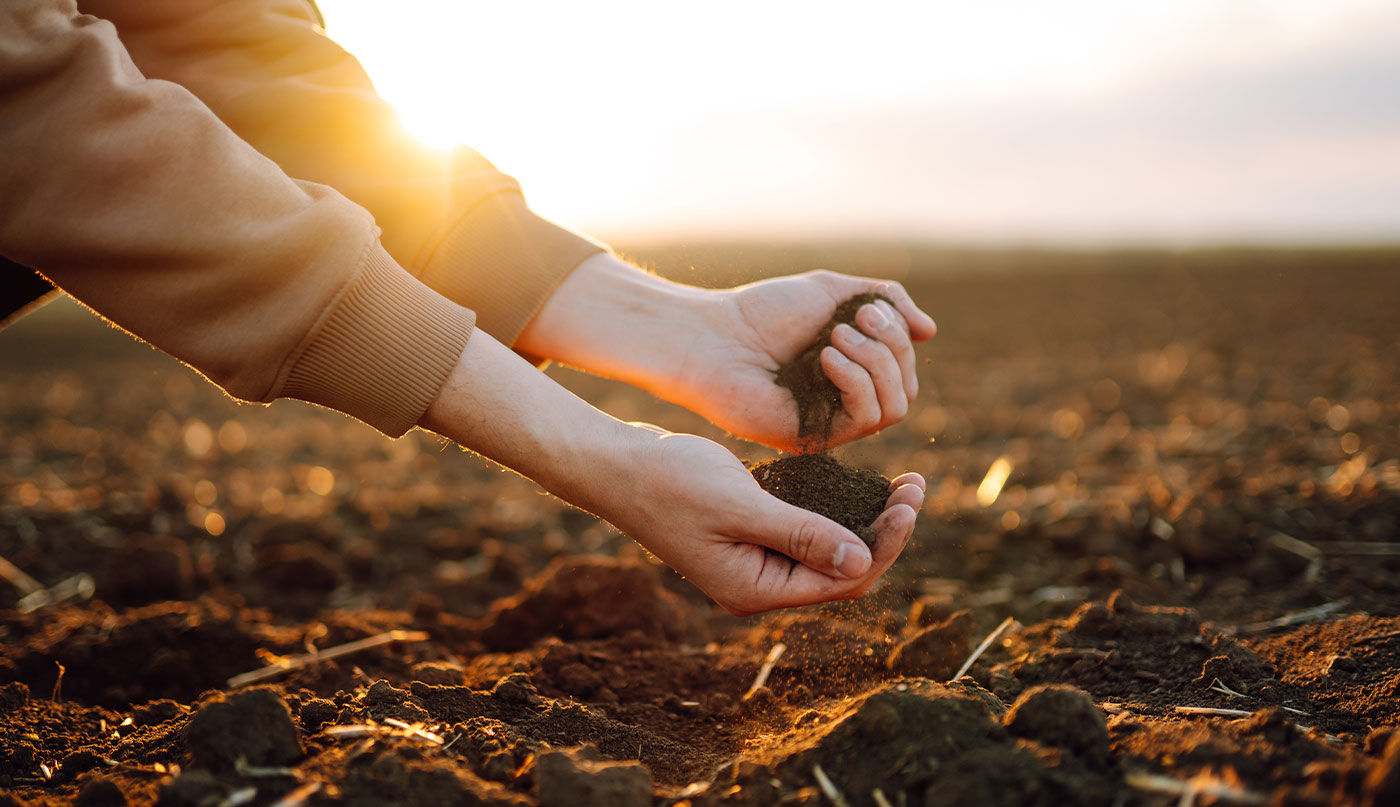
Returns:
(613,319)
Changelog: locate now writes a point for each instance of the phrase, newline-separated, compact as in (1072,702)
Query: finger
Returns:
(882,367)
(814,541)
(892,532)
(908,478)
(784,584)
(921,325)
(880,321)
(910,495)
(858,398)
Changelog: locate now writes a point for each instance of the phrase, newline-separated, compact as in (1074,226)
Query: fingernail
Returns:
(851,559)
(838,356)
(850,334)
(874,317)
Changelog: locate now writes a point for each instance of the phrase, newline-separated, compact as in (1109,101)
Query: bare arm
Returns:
(686,499)
(714,352)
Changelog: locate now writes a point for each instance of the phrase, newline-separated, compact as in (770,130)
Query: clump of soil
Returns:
(817,398)
(254,726)
(851,497)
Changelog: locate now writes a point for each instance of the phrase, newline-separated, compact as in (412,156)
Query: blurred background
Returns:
(1089,122)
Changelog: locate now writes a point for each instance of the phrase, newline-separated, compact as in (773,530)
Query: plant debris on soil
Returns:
(851,497)
(818,399)
(1171,480)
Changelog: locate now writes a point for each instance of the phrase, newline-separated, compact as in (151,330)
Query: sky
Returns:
(1174,122)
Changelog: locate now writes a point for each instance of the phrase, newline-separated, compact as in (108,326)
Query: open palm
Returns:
(697,508)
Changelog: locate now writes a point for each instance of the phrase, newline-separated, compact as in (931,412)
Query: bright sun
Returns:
(579,100)
(646,117)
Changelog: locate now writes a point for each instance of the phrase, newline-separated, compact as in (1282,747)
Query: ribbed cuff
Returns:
(381,350)
(503,261)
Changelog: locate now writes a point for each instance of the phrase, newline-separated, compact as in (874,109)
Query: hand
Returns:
(714,352)
(695,506)
(727,374)
(684,498)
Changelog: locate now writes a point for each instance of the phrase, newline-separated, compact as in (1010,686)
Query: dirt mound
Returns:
(590,598)
(917,742)
(166,650)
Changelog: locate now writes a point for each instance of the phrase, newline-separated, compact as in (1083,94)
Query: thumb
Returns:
(810,539)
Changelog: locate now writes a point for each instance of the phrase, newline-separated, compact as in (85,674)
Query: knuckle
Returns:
(899,407)
(801,540)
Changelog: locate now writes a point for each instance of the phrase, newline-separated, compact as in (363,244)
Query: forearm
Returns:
(616,320)
(498,405)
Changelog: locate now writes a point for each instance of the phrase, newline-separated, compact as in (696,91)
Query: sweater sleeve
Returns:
(268,71)
(131,196)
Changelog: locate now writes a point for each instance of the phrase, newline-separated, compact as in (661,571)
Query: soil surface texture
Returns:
(1171,480)
(851,497)
(818,399)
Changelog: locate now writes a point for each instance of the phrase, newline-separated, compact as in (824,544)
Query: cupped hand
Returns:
(727,375)
(695,506)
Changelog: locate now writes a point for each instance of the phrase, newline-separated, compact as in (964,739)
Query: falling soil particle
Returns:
(851,497)
(817,397)
(936,651)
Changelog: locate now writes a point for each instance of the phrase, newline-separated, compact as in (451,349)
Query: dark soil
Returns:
(1202,511)
(818,400)
(851,497)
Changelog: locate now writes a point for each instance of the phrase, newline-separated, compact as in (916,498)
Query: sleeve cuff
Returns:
(381,350)
(503,261)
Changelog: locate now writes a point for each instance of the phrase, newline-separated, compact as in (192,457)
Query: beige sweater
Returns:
(213,176)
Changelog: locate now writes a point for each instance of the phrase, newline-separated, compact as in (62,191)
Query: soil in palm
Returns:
(852,497)
(817,397)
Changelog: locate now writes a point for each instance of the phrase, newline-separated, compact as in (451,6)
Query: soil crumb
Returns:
(817,398)
(851,497)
